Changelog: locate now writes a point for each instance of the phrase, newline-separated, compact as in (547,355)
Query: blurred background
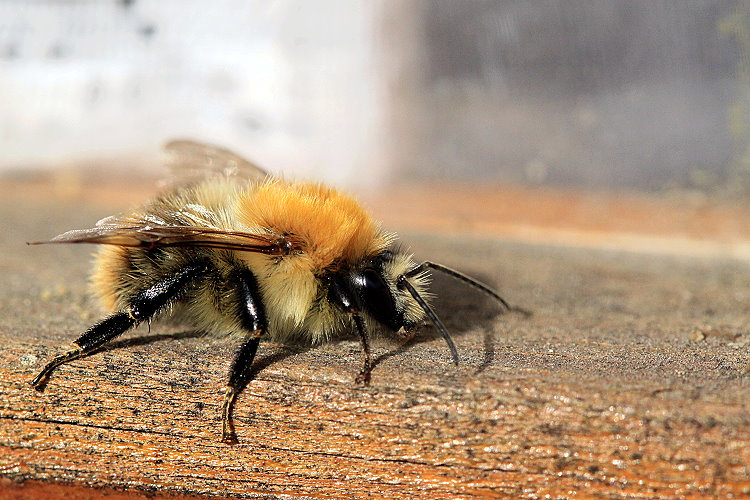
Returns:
(637,95)
(535,114)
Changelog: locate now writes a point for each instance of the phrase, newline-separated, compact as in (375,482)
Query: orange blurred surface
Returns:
(680,224)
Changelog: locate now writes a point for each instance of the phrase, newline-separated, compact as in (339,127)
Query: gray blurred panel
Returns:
(614,94)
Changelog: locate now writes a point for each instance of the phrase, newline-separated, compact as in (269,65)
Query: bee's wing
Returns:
(191,161)
(111,231)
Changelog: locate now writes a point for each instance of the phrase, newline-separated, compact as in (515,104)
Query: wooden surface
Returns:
(630,381)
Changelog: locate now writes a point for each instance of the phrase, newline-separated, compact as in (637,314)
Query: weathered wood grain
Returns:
(630,381)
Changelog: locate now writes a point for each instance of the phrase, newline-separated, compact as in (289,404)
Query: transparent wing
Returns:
(142,233)
(190,161)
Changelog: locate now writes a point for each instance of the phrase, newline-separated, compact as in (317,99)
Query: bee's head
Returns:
(372,288)
(390,288)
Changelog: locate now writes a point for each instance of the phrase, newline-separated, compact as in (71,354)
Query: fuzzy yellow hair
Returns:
(330,231)
(331,228)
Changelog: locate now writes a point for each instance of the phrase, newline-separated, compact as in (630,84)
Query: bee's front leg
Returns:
(364,374)
(343,296)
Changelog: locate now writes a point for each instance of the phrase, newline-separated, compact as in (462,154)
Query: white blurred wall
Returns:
(612,94)
(288,83)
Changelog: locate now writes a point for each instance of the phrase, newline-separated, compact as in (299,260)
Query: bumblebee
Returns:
(237,252)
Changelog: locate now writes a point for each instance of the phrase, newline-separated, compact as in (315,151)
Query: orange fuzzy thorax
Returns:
(331,227)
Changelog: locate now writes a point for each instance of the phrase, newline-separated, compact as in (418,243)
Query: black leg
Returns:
(94,337)
(154,298)
(253,319)
(341,294)
(239,376)
(143,306)
(366,372)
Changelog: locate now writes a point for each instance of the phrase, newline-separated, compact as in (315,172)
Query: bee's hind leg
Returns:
(145,304)
(94,337)
(253,318)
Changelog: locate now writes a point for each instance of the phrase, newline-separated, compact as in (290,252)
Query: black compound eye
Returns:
(377,298)
(375,290)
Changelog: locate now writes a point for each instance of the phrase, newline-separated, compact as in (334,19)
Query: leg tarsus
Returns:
(365,373)
(40,381)
(92,339)
(238,379)
(228,434)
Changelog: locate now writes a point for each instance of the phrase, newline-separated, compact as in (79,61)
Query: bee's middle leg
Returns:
(253,318)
